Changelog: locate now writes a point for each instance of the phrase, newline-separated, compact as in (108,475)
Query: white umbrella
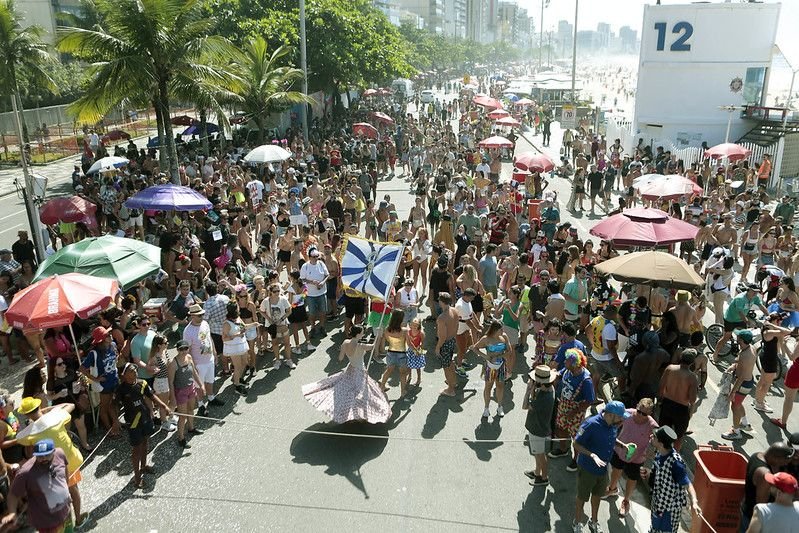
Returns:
(647,179)
(267,153)
(107,163)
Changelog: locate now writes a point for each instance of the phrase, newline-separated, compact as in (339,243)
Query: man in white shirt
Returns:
(467,323)
(314,274)
(201,347)
(538,246)
(483,169)
(255,188)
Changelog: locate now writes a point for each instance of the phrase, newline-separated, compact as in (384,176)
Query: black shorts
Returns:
(332,289)
(478,304)
(732,326)
(706,252)
(354,306)
(595,192)
(299,315)
(141,432)
(284,256)
(632,471)
(769,363)
(674,415)
(219,344)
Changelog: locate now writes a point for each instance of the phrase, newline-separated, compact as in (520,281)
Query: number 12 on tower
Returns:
(683,29)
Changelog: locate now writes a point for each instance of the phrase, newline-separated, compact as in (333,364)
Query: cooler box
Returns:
(719,482)
(534,209)
(520,176)
(154,308)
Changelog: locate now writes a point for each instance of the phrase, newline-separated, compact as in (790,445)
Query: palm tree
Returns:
(21,51)
(264,84)
(141,49)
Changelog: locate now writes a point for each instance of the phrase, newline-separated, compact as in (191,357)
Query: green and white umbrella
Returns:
(126,260)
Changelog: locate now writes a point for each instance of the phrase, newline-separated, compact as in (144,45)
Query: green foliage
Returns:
(23,55)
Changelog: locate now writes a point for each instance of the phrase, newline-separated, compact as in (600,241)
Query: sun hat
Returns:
(99,334)
(543,374)
(29,405)
(196,309)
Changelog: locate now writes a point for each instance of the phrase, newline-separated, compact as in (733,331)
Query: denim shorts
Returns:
(399,359)
(316,304)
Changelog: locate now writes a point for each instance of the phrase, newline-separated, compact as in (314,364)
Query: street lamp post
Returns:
(790,99)
(30,207)
(574,54)
(729,109)
(304,67)
(541,40)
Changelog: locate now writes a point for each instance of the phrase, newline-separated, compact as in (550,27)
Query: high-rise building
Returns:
(628,38)
(432,11)
(44,13)
(390,9)
(455,18)
(563,37)
(475,20)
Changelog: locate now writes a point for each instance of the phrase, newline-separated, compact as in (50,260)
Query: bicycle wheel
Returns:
(713,335)
(780,365)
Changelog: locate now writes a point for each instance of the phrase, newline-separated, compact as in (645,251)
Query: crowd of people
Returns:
(255,284)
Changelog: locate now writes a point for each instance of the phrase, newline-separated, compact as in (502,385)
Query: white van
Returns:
(403,89)
(427,96)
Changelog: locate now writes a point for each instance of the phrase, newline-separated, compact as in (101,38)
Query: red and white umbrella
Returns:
(369,92)
(365,129)
(382,117)
(66,209)
(535,162)
(58,300)
(384,91)
(669,188)
(496,142)
(523,102)
(730,151)
(644,227)
(508,121)
(487,101)
(497,114)
(646,180)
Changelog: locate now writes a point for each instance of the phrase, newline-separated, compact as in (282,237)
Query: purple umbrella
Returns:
(194,129)
(168,197)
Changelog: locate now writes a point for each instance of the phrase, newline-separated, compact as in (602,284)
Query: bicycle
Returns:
(715,332)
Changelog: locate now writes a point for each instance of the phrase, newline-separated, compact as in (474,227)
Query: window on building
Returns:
(753,85)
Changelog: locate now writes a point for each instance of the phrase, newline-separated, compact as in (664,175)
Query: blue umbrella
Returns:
(194,129)
(153,143)
(168,197)
(512,97)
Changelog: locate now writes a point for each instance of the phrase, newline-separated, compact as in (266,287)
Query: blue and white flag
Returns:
(369,267)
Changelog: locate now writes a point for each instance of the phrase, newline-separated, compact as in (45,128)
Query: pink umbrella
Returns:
(498,113)
(369,92)
(535,162)
(732,151)
(383,91)
(496,142)
(508,121)
(487,101)
(644,227)
(382,117)
(365,129)
(523,101)
(669,188)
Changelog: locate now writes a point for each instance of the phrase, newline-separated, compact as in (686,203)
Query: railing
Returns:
(776,114)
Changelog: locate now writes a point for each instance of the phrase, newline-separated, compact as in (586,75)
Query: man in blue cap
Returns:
(42,480)
(594,445)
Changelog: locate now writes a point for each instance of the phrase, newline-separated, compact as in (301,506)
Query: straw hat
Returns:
(196,309)
(543,374)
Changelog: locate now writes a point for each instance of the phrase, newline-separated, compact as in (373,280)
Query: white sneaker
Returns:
(500,411)
(168,426)
(290,363)
(296,351)
(310,346)
(732,435)
(486,413)
(276,365)
(764,407)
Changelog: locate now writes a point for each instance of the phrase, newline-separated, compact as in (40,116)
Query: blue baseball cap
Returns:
(617,408)
(43,448)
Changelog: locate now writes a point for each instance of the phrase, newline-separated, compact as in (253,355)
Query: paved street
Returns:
(259,471)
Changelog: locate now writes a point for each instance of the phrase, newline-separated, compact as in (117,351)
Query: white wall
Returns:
(681,89)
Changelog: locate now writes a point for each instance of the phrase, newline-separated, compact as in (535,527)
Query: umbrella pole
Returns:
(74,343)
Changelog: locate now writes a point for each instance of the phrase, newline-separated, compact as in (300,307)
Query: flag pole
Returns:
(380,325)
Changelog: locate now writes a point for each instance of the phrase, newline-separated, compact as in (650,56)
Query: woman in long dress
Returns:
(350,394)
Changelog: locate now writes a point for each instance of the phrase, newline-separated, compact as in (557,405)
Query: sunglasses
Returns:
(62,363)
(273,291)
(144,324)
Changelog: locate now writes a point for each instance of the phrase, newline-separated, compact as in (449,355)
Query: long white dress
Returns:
(350,394)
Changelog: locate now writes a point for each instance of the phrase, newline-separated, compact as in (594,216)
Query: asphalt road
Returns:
(261,471)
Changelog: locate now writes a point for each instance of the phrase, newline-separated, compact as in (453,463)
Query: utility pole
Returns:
(541,40)
(574,54)
(304,67)
(27,193)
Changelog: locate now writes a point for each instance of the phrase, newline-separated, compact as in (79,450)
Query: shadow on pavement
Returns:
(343,456)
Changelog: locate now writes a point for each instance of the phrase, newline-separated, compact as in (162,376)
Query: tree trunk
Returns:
(159,122)
(204,132)
(259,123)
(171,150)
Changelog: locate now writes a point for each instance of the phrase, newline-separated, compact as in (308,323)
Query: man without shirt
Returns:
(447,330)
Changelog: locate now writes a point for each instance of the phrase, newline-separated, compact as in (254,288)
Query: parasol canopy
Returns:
(497,114)
(66,209)
(267,153)
(731,151)
(365,129)
(651,267)
(369,92)
(196,129)
(487,101)
(182,120)
(523,101)
(58,300)
(508,121)
(382,117)
(168,197)
(670,187)
(496,142)
(646,179)
(644,227)
(535,162)
(126,260)
(107,163)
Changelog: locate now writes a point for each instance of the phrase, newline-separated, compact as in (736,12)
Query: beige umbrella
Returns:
(651,267)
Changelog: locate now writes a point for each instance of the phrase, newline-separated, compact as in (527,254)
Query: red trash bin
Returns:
(533,209)
(719,482)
